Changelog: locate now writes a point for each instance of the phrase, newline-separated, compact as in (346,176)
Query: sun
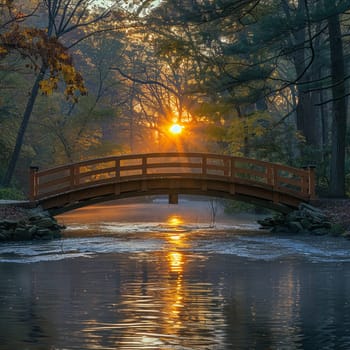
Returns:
(176,129)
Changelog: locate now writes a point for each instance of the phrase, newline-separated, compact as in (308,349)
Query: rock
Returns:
(295,226)
(306,223)
(8,224)
(33,230)
(266,223)
(320,232)
(36,218)
(294,216)
(45,222)
(22,234)
(44,233)
(306,219)
(32,224)
(311,209)
(346,235)
(279,229)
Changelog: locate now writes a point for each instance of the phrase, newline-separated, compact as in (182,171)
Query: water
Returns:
(174,284)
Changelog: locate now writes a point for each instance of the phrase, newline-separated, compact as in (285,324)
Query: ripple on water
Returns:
(270,247)
(241,241)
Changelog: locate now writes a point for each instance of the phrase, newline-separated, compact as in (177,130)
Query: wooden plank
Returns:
(101,171)
(250,173)
(285,180)
(174,165)
(290,170)
(53,183)
(130,167)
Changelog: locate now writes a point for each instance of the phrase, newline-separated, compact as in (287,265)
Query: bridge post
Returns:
(232,176)
(271,174)
(144,165)
(117,169)
(226,167)
(173,198)
(74,175)
(312,181)
(204,165)
(33,182)
(233,169)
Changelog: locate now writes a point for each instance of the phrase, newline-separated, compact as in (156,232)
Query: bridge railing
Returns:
(70,177)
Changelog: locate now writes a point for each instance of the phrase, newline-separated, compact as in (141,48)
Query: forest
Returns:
(264,79)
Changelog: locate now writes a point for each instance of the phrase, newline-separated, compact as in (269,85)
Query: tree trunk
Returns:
(23,127)
(306,117)
(337,170)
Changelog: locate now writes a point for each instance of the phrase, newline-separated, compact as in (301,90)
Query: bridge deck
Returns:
(78,184)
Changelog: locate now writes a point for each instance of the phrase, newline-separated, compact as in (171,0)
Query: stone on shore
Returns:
(307,219)
(29,224)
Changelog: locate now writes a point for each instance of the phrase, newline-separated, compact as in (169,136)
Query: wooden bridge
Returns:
(265,184)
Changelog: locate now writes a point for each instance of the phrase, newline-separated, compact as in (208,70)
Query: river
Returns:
(159,276)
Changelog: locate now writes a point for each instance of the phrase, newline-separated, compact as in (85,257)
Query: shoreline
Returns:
(338,210)
(21,216)
(25,223)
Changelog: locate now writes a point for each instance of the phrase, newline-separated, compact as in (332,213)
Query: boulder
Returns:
(22,234)
(34,224)
(45,222)
(307,219)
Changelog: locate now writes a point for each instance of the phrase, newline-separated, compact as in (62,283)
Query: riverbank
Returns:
(22,222)
(338,211)
(320,217)
(17,219)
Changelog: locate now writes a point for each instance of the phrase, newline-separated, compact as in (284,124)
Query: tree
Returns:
(50,55)
(248,41)
(337,179)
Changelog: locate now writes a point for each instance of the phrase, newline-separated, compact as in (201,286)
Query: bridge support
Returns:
(173,198)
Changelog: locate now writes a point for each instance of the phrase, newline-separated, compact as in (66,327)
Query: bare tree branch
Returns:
(145,82)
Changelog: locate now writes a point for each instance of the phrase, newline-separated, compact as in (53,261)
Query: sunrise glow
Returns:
(176,129)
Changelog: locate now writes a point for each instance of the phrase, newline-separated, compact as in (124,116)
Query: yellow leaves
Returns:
(36,44)
(73,80)
(300,137)
(47,86)
(68,72)
(3,51)
(249,127)
(63,56)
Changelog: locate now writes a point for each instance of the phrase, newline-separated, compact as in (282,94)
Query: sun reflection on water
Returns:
(174,220)
(176,261)
(152,310)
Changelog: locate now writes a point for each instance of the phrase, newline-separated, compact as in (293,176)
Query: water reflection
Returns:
(172,300)
(153,313)
(164,309)
(175,289)
(175,221)
(176,262)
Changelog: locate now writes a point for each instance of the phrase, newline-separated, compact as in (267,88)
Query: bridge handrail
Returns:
(91,172)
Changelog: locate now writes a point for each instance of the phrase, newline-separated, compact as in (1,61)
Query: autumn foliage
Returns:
(44,53)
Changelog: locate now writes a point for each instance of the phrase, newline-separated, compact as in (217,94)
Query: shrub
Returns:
(11,193)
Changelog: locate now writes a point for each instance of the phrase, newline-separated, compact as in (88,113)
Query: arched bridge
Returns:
(266,184)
